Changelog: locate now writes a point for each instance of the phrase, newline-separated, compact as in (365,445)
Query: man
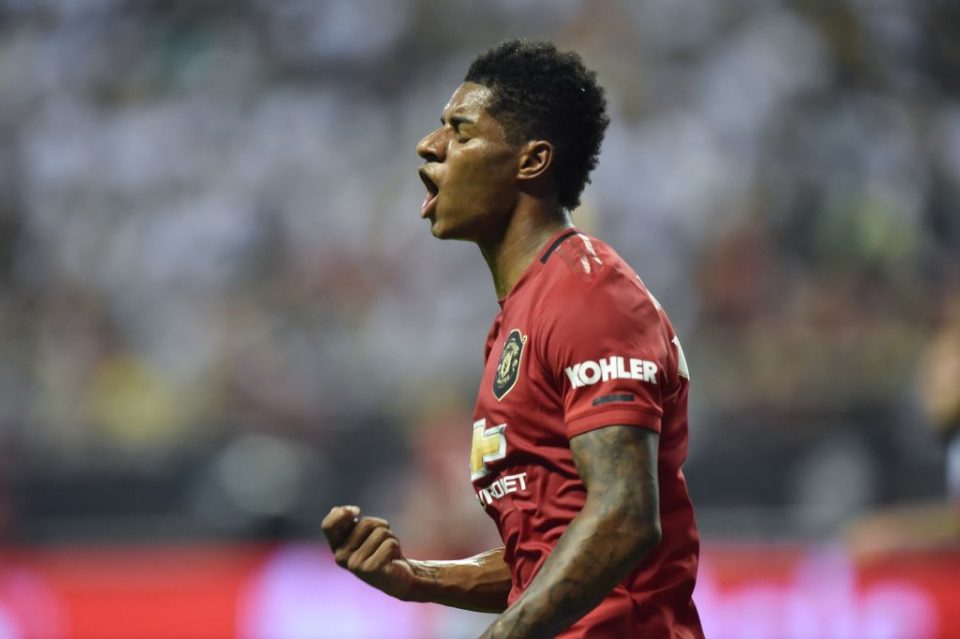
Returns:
(581,419)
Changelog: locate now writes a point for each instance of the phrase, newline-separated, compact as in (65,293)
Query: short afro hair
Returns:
(542,93)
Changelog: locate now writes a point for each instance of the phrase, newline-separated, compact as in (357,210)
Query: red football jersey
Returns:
(580,344)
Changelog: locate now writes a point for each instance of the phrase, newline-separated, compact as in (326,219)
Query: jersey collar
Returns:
(537,265)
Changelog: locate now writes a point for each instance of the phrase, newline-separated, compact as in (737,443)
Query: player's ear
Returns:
(535,158)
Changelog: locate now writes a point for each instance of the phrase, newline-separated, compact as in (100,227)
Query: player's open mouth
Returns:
(432,191)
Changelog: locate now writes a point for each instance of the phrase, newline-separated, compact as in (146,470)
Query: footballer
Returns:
(580,423)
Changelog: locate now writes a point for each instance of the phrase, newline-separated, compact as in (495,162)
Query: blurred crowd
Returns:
(221,314)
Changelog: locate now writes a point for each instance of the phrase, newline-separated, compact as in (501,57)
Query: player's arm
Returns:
(480,583)
(618,526)
(370,550)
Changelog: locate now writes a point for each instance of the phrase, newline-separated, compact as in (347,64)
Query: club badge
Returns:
(508,369)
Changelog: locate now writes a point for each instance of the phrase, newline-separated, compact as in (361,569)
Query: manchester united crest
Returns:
(508,369)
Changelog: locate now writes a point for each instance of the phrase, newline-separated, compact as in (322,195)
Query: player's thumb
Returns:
(338,524)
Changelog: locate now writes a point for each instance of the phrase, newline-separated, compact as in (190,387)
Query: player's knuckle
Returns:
(355,537)
(365,526)
(354,563)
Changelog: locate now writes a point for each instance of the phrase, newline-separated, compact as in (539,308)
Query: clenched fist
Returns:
(368,548)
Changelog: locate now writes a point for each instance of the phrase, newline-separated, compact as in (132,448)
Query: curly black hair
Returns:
(542,93)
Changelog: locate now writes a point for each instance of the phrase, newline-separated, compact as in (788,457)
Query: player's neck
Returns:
(509,255)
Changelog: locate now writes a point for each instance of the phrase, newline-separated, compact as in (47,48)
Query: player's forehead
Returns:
(469,102)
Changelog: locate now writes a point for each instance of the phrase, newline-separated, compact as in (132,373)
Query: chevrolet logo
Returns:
(489,444)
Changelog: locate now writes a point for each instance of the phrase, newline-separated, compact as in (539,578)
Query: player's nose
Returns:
(430,148)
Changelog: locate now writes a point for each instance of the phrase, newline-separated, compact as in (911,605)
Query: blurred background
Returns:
(220,313)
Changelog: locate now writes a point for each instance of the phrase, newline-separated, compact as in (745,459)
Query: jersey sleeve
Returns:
(607,349)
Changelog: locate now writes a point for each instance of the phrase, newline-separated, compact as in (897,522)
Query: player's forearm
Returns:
(599,548)
(480,583)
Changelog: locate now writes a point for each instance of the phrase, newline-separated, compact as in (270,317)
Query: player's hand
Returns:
(368,548)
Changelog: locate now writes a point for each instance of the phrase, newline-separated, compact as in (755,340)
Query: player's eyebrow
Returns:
(456,120)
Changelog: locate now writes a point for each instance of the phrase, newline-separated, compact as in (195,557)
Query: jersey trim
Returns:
(615,397)
(556,243)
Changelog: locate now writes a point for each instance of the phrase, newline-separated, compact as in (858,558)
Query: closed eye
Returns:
(456,122)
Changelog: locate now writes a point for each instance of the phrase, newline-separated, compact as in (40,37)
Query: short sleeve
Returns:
(606,345)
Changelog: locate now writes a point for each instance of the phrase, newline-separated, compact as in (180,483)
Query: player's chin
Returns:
(436,228)
(434,224)
(454,223)
(445,229)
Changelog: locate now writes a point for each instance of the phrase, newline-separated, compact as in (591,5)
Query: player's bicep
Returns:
(618,466)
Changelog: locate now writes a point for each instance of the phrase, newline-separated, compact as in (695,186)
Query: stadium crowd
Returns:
(221,314)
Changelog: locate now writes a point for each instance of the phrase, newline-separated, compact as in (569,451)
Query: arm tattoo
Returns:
(480,583)
(618,526)
(427,571)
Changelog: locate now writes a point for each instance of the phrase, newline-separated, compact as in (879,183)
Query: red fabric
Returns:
(597,351)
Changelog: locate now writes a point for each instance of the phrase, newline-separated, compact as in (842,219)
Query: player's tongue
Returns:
(432,192)
(427,201)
